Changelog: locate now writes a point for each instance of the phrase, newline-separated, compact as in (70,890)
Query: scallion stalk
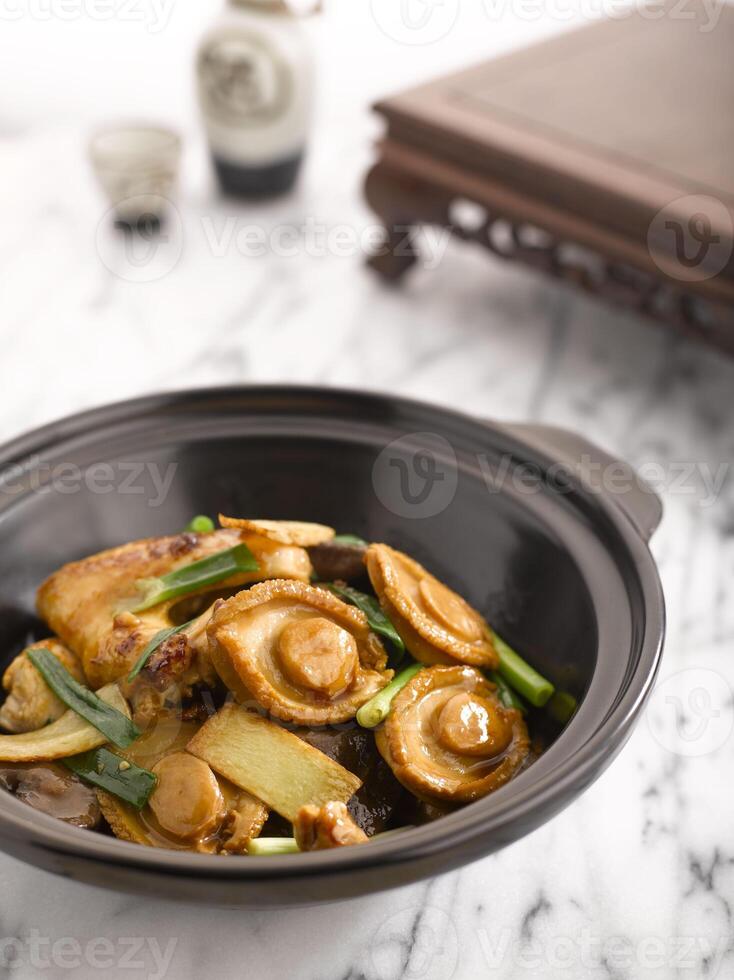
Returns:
(508,697)
(562,706)
(349,540)
(521,676)
(106,719)
(272,846)
(376,710)
(198,575)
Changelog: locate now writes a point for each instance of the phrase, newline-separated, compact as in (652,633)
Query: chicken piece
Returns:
(80,601)
(172,670)
(244,821)
(31,704)
(321,828)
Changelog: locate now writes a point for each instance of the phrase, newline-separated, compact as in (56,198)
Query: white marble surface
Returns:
(636,880)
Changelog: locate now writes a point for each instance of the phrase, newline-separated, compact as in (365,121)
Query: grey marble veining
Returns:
(636,880)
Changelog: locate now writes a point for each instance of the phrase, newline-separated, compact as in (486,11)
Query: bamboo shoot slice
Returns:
(270,762)
(300,533)
(70,735)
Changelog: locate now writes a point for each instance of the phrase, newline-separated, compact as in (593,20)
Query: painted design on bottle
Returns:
(244,82)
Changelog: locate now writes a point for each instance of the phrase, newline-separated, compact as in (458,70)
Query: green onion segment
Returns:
(200,574)
(106,719)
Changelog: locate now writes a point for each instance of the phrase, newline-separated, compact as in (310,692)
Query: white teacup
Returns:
(137,167)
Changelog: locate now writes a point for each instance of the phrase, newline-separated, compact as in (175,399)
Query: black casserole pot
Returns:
(538,529)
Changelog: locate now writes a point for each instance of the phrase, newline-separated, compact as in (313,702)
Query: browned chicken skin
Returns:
(81,600)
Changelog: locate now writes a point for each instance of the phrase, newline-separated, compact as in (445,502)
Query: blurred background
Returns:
(218,315)
(231,291)
(208,308)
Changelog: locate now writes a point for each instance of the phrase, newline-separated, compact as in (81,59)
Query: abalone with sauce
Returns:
(449,737)
(298,651)
(437,625)
(222,691)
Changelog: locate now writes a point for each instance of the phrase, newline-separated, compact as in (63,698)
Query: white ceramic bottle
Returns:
(256,78)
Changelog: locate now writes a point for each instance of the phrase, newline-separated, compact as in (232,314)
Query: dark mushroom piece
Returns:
(53,790)
(379,802)
(336,562)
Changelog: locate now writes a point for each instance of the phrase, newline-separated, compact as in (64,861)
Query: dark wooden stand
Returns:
(586,199)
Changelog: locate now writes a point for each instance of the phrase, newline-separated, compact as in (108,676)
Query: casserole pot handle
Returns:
(614,479)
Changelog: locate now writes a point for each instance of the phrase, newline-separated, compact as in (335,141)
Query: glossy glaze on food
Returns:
(273,708)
